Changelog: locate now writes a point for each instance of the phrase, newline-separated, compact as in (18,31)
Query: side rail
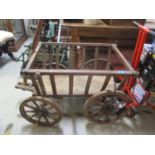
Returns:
(72,82)
(76,56)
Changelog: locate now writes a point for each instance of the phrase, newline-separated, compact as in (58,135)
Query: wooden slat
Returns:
(41,83)
(76,58)
(44,60)
(33,78)
(71,84)
(88,85)
(25,80)
(52,79)
(106,82)
(79,57)
(57,56)
(83,56)
(50,52)
(109,60)
(96,57)
(71,55)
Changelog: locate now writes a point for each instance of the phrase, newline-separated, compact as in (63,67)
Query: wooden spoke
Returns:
(40,118)
(37,106)
(51,107)
(96,112)
(30,107)
(44,112)
(52,115)
(46,119)
(103,107)
(30,111)
(33,115)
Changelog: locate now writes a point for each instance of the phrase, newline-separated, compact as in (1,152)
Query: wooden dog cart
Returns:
(91,76)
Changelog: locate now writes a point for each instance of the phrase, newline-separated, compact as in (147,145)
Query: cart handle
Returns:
(152,33)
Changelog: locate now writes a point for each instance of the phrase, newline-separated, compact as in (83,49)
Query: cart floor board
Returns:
(79,84)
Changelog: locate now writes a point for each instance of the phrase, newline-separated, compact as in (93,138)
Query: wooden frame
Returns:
(38,85)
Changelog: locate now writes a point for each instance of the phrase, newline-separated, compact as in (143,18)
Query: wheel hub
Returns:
(42,111)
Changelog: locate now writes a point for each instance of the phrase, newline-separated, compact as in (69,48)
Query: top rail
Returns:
(79,72)
(77,44)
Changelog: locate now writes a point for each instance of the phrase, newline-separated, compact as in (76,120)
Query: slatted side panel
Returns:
(40,85)
(44,86)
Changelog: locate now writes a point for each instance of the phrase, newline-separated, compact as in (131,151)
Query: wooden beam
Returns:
(80,72)
(78,44)
(33,78)
(83,57)
(52,79)
(96,57)
(71,84)
(88,84)
(41,83)
(57,56)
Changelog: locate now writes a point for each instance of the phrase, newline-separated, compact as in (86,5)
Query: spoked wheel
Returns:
(103,107)
(41,111)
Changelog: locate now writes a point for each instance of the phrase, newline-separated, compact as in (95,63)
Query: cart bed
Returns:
(88,70)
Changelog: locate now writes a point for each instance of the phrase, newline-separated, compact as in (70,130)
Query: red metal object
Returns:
(142,35)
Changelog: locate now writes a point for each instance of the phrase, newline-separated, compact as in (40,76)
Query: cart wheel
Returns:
(41,111)
(104,106)
(102,64)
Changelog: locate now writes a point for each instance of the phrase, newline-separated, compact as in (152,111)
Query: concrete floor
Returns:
(11,121)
